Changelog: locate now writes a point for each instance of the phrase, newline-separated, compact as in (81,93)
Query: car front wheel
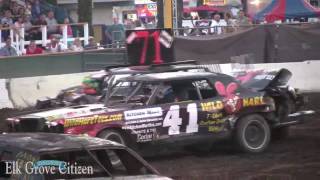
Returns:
(115,136)
(252,134)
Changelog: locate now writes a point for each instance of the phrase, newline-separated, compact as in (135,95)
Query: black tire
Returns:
(280,133)
(252,134)
(112,135)
(116,136)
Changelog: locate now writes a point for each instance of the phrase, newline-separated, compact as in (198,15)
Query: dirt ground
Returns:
(294,158)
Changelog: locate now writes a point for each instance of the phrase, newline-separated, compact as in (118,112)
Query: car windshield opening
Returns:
(138,93)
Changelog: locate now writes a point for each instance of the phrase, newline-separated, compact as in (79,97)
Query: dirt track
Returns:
(294,158)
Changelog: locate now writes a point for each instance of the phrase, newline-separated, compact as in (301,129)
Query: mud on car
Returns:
(188,107)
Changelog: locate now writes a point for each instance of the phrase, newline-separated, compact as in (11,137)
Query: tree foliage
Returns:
(85,11)
(53,2)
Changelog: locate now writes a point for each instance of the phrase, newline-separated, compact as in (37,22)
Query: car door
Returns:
(193,108)
(211,114)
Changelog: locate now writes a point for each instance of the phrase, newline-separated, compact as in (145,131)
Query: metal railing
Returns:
(18,38)
(212,30)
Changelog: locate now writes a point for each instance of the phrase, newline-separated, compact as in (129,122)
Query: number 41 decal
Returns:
(173,120)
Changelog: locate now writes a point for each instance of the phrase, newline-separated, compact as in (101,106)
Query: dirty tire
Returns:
(280,133)
(252,134)
(116,136)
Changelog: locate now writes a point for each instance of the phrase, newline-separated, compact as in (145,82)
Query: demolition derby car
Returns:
(145,109)
(93,88)
(53,156)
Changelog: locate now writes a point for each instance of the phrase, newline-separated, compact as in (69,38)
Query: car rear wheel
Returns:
(252,134)
(115,136)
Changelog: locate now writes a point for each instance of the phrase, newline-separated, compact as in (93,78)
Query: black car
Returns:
(188,107)
(61,156)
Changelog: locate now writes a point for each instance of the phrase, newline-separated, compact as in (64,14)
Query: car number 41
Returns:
(174,121)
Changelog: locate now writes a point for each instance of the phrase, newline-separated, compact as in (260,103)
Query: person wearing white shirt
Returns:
(218,25)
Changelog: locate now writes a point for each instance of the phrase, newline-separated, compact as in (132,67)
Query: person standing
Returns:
(66,22)
(243,20)
(6,22)
(230,22)
(35,9)
(52,23)
(218,25)
(115,32)
(8,50)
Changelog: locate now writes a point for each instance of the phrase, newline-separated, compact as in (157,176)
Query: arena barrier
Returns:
(305,77)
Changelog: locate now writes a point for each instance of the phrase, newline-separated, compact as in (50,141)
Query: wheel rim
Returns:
(115,137)
(115,161)
(255,135)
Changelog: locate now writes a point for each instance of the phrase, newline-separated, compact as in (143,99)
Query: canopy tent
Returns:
(202,8)
(287,9)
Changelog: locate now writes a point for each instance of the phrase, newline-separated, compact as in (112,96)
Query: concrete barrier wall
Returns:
(4,95)
(23,92)
(306,75)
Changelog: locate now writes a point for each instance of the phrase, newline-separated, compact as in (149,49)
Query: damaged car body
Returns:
(146,109)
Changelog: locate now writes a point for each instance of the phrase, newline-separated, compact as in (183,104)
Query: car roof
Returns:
(170,76)
(52,142)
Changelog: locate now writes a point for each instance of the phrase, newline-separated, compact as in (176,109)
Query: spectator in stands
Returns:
(230,22)
(14,8)
(52,23)
(55,46)
(6,22)
(5,5)
(218,25)
(128,23)
(115,32)
(69,29)
(28,8)
(36,32)
(92,44)
(8,50)
(18,25)
(27,26)
(76,45)
(33,48)
(243,20)
(138,25)
(35,9)
(21,12)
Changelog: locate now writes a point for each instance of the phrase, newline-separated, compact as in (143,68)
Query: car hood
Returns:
(67,112)
(153,177)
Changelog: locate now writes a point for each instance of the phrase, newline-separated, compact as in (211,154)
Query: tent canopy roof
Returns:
(287,9)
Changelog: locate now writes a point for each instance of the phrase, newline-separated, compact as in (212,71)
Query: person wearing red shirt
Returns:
(33,49)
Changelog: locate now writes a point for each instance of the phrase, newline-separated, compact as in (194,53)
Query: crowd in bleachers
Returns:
(216,23)
(31,15)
